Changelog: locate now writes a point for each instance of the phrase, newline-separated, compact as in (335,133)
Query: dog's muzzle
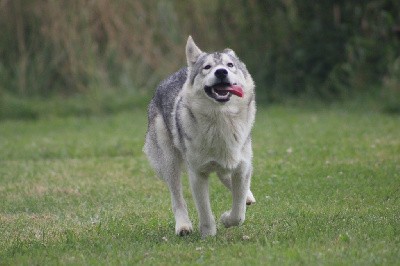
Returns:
(222,90)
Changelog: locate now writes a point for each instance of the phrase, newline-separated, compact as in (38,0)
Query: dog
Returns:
(202,116)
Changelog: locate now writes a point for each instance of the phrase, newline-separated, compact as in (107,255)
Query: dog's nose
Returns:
(221,73)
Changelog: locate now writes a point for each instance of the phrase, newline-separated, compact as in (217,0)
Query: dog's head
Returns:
(218,76)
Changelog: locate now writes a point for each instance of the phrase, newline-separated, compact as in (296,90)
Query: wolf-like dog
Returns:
(201,117)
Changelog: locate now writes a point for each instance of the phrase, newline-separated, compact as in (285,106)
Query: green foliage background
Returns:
(328,49)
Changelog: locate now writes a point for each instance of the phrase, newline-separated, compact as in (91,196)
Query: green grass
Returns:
(96,101)
(78,190)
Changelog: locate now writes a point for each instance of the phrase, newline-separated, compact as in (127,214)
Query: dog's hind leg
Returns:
(227,181)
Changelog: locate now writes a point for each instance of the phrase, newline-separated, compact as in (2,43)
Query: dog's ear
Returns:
(192,52)
(229,51)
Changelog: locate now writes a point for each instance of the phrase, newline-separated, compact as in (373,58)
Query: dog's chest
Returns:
(216,139)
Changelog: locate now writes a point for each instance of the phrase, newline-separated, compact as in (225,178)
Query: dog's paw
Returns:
(183,229)
(250,198)
(228,220)
(208,230)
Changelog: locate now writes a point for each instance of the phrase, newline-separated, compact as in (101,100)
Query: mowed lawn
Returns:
(79,191)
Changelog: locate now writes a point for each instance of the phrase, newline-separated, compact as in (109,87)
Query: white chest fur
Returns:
(215,137)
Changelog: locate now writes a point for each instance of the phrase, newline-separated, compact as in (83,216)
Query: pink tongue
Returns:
(235,89)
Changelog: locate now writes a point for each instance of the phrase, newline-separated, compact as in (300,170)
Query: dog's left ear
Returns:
(192,52)
(229,51)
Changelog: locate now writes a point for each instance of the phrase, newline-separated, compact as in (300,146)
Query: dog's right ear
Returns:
(192,52)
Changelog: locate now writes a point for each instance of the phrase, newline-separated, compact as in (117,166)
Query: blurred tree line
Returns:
(329,49)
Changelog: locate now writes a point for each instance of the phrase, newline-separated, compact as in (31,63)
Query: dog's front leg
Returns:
(199,186)
(226,180)
(240,187)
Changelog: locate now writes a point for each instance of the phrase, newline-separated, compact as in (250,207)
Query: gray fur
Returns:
(190,126)
(196,68)
(165,95)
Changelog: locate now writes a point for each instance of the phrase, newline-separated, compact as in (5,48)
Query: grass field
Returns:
(78,190)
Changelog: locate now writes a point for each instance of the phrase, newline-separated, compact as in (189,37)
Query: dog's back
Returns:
(161,108)
(165,96)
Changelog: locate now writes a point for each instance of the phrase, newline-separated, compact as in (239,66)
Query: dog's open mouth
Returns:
(222,92)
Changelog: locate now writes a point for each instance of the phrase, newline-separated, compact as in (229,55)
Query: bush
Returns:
(330,49)
(391,92)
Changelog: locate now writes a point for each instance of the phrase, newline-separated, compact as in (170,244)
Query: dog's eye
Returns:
(230,65)
(207,67)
